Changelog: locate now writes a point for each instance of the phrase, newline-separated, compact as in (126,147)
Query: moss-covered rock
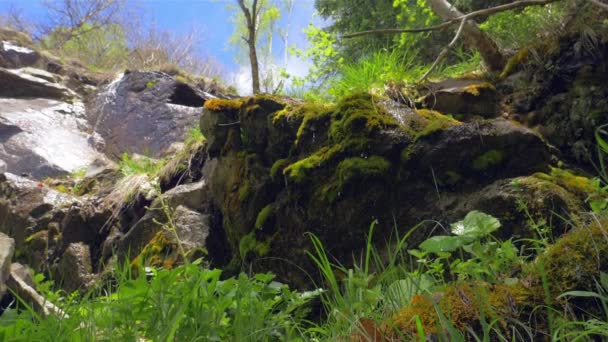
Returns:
(294,168)
(574,262)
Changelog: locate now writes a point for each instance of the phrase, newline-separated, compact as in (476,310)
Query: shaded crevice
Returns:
(184,95)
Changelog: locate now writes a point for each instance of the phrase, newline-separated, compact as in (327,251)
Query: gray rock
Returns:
(29,295)
(461,96)
(194,196)
(45,138)
(22,84)
(143,112)
(74,269)
(23,272)
(26,207)
(12,55)
(2,166)
(7,247)
(192,228)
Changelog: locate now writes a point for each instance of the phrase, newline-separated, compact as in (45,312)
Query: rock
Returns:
(483,151)
(194,196)
(144,112)
(14,56)
(462,96)
(27,207)
(333,170)
(45,138)
(566,103)
(20,83)
(2,166)
(75,269)
(29,295)
(7,247)
(192,228)
(23,272)
(189,204)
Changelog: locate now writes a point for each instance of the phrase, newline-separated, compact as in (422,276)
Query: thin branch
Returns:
(600,4)
(483,12)
(444,53)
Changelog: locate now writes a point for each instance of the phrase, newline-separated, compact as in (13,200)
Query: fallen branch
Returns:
(444,53)
(478,13)
(600,4)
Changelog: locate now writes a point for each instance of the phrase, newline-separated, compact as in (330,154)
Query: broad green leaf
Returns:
(441,243)
(476,224)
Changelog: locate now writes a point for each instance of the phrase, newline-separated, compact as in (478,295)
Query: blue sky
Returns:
(210,16)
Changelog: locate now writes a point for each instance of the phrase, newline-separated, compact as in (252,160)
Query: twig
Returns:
(483,12)
(229,124)
(600,4)
(443,54)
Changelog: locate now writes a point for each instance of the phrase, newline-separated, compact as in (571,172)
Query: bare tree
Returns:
(154,48)
(14,19)
(251,21)
(72,16)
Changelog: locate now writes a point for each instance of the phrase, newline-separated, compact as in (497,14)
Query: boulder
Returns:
(189,206)
(30,296)
(45,138)
(27,207)
(12,55)
(334,170)
(144,112)
(465,97)
(74,268)
(23,83)
(7,247)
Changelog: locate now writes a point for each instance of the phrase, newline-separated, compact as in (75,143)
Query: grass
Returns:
(131,165)
(191,302)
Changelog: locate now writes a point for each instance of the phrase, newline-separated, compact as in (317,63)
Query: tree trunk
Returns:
(479,40)
(253,59)
(251,22)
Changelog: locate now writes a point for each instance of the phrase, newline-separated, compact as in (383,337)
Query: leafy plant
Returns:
(486,259)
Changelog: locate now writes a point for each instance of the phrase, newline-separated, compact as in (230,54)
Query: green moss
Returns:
(514,62)
(435,121)
(249,244)
(277,166)
(574,262)
(221,105)
(311,115)
(151,84)
(452,177)
(350,170)
(475,89)
(244,191)
(487,160)
(359,115)
(298,171)
(159,252)
(62,188)
(263,216)
(359,168)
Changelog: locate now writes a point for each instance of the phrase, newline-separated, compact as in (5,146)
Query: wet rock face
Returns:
(144,112)
(288,168)
(43,137)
